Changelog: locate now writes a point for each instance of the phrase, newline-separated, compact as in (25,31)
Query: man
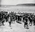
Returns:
(25,20)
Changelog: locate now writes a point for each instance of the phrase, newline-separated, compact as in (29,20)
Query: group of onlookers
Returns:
(10,17)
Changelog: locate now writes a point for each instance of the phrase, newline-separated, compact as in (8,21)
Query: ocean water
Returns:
(26,9)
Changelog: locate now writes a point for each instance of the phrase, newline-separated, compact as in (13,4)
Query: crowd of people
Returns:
(10,17)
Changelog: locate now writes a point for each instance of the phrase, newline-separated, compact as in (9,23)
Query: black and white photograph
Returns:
(17,15)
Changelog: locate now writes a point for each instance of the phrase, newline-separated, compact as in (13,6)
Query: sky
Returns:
(14,2)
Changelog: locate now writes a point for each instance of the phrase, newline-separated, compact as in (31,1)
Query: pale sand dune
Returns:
(16,28)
